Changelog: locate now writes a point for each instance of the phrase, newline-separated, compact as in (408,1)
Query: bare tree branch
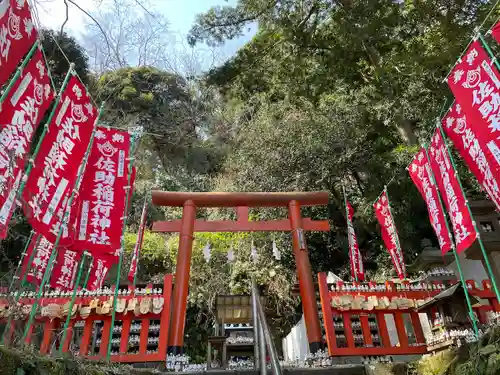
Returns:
(66,20)
(91,17)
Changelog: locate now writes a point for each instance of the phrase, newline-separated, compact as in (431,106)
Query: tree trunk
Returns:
(405,128)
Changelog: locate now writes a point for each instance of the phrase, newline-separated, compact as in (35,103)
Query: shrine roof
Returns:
(445,295)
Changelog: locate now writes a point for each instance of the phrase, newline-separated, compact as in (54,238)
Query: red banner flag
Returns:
(51,182)
(103,193)
(476,86)
(357,270)
(17,35)
(390,234)
(495,32)
(21,112)
(420,173)
(138,245)
(37,268)
(474,151)
(64,271)
(98,273)
(450,190)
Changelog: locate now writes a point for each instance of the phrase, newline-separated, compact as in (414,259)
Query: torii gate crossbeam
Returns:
(188,225)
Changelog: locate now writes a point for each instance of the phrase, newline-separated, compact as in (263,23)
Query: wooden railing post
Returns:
(346,316)
(365,327)
(165,317)
(326,307)
(105,337)
(382,330)
(417,327)
(143,344)
(127,322)
(400,327)
(86,337)
(69,336)
(48,331)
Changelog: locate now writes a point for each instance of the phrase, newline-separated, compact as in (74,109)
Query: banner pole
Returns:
(46,274)
(351,255)
(63,224)
(488,49)
(23,255)
(47,64)
(72,303)
(478,235)
(378,196)
(136,269)
(19,71)
(398,244)
(120,261)
(453,248)
(18,294)
(31,160)
(91,264)
(140,239)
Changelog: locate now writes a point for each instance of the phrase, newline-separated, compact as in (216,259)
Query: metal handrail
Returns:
(255,324)
(264,334)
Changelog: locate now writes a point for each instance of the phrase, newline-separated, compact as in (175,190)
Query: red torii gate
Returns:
(242,202)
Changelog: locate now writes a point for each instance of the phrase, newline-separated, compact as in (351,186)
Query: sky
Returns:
(181,14)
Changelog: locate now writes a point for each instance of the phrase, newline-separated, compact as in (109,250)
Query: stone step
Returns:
(334,370)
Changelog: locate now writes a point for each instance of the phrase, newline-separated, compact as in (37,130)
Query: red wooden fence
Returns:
(365,333)
(89,337)
(348,333)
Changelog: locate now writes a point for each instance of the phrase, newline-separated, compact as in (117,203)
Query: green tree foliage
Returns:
(332,94)
(154,259)
(399,51)
(173,113)
(159,101)
(53,42)
(220,277)
(327,95)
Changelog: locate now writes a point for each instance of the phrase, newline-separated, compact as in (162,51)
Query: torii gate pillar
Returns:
(241,201)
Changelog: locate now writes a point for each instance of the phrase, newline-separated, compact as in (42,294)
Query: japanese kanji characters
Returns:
(100,269)
(43,249)
(64,271)
(474,151)
(421,175)
(389,234)
(357,270)
(50,185)
(17,35)
(103,193)
(449,187)
(22,110)
(475,82)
